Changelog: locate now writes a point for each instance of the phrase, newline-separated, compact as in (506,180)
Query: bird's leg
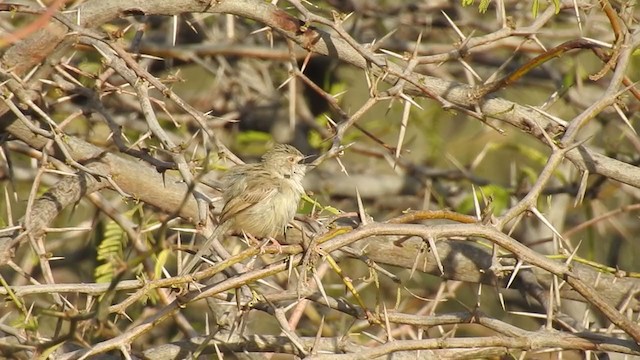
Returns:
(272,240)
(276,243)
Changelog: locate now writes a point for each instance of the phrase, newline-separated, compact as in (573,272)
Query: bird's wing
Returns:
(255,190)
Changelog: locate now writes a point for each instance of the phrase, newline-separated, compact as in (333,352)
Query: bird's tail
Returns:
(205,249)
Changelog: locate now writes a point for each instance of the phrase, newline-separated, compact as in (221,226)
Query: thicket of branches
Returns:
(474,190)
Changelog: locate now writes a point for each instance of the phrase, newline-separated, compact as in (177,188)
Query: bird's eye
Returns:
(292,159)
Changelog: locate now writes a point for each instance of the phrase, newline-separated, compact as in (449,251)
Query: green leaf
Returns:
(161,260)
(530,173)
(252,137)
(484,5)
(568,79)
(499,194)
(23,322)
(49,351)
(315,139)
(110,250)
(527,151)
(104,273)
(535,8)
(310,204)
(482,8)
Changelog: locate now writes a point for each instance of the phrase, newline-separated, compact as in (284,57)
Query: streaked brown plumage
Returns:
(260,199)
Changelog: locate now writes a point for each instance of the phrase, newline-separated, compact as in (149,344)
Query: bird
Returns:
(259,199)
